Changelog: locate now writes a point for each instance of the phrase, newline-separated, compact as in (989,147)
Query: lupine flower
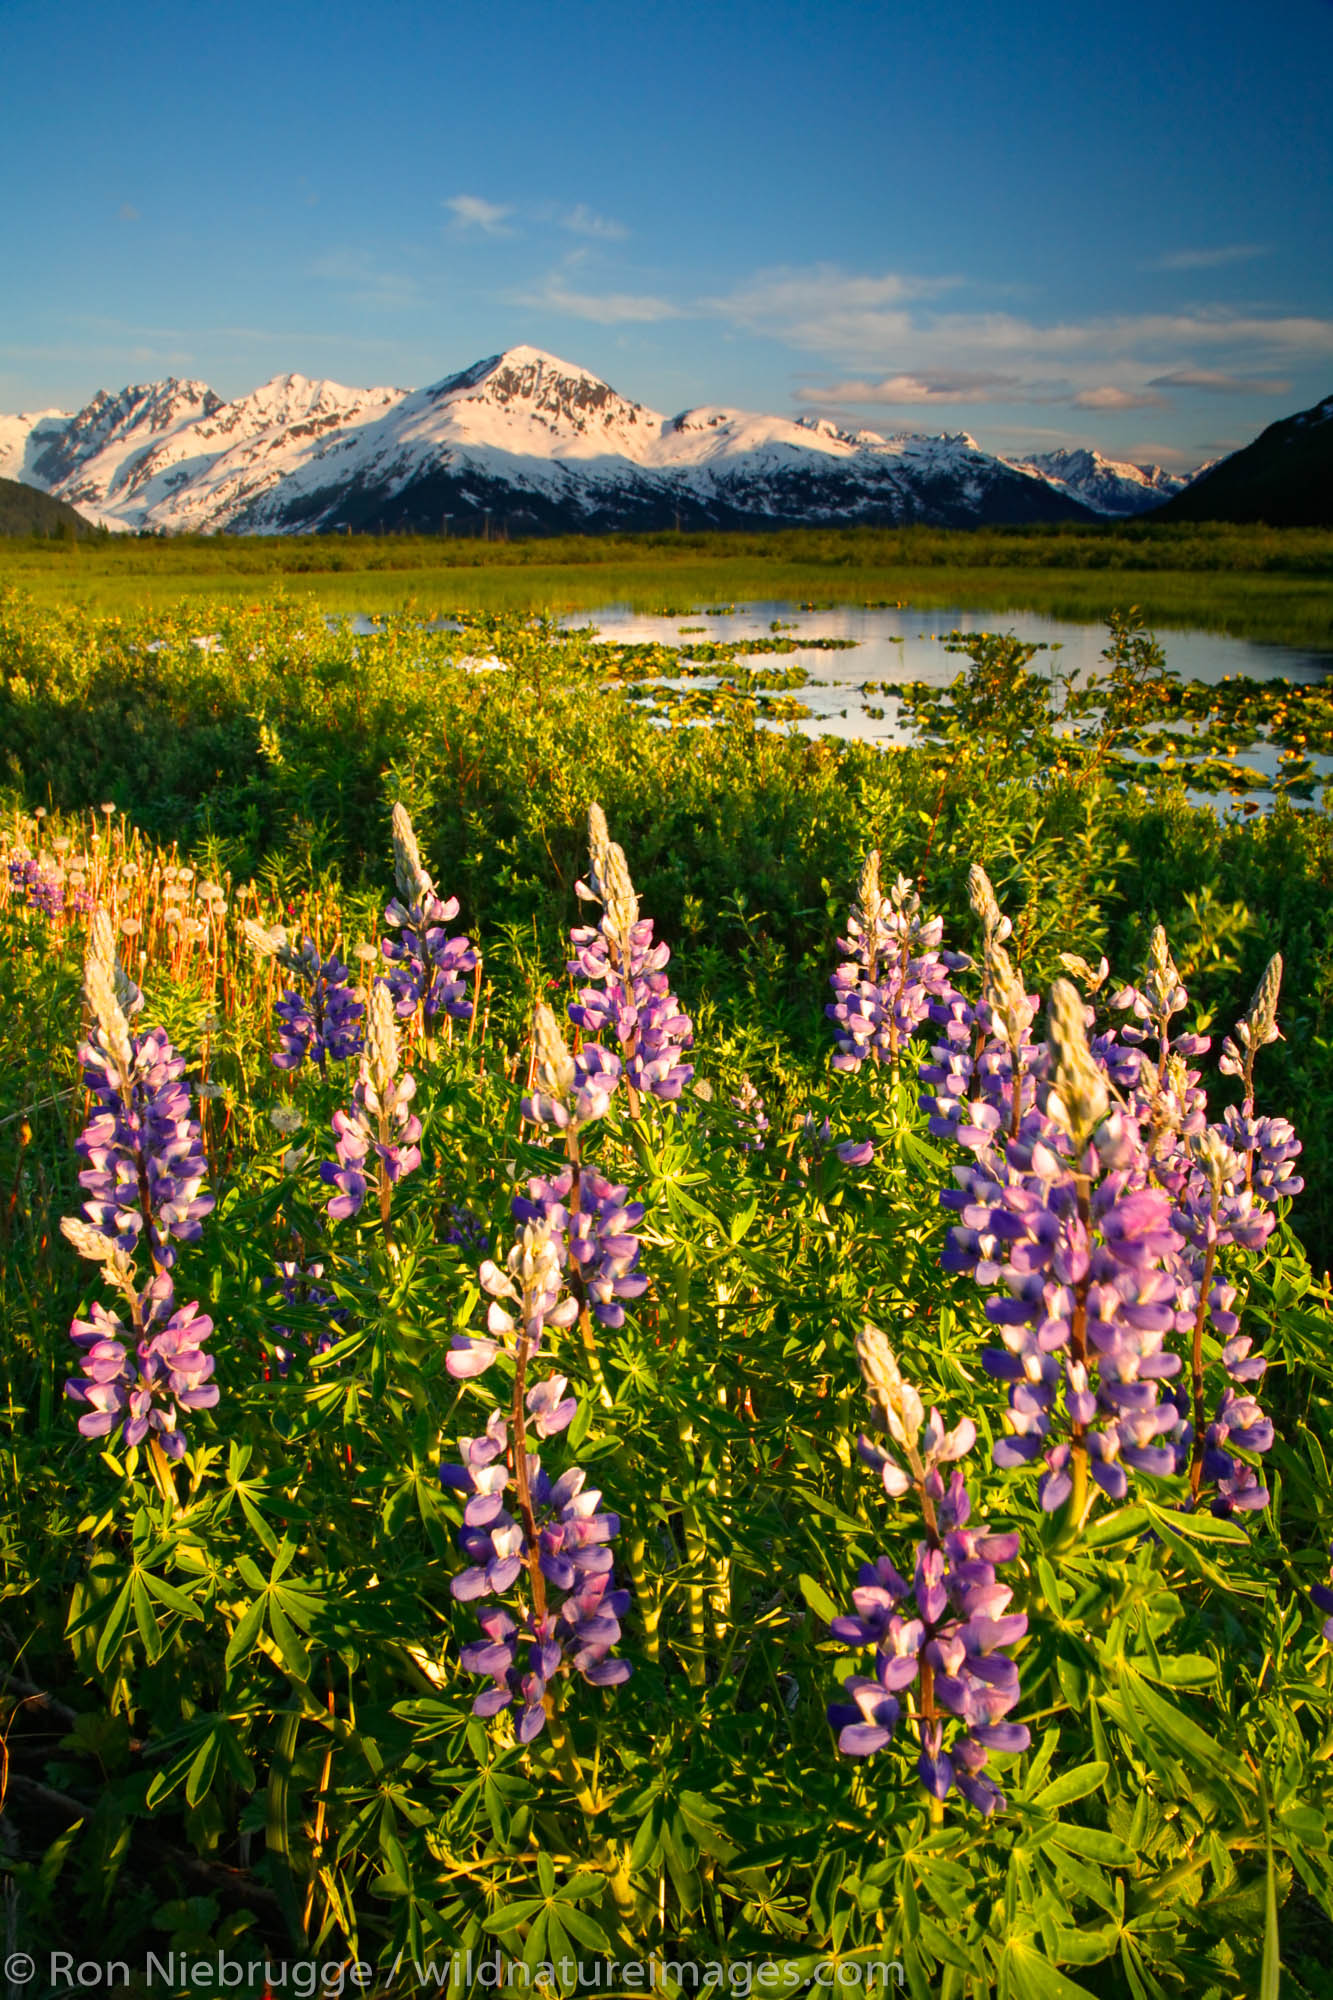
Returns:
(944,1633)
(42,886)
(430,969)
(142,1387)
(301,1287)
(629,993)
(320,1017)
(1257,1029)
(1322,1594)
(531,1282)
(569,1091)
(1095,1224)
(465,1231)
(378,1134)
(146,1169)
(555,1542)
(579,1620)
(893,970)
(752,1117)
(599,1235)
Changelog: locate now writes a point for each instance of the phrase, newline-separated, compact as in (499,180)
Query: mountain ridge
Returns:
(1283,478)
(528,440)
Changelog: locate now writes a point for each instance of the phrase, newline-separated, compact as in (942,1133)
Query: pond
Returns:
(896,643)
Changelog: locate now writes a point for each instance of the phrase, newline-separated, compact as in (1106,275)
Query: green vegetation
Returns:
(36,517)
(1252,582)
(235,1714)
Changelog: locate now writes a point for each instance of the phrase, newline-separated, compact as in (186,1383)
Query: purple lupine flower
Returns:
(569,1091)
(751,1117)
(377,1136)
(141,1387)
(301,1287)
(1096,1227)
(948,1629)
(629,993)
(532,1284)
(1322,1594)
(893,972)
(429,968)
(465,1231)
(146,1169)
(577,1621)
(599,1234)
(43,886)
(322,1017)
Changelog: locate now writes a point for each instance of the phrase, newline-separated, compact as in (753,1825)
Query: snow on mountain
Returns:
(1107,485)
(523,437)
(24,438)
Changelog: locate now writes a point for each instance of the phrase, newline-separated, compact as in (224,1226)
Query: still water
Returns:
(900,644)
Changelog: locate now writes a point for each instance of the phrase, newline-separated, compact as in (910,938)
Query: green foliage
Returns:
(1255,582)
(256,1724)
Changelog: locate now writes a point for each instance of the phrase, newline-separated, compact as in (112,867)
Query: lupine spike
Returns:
(1079,1085)
(382,1041)
(995,926)
(412,879)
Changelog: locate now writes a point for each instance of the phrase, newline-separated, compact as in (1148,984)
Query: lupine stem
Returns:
(646,1598)
(1205,1287)
(525,1506)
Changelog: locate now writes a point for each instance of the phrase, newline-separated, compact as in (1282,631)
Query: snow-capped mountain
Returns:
(535,443)
(1107,485)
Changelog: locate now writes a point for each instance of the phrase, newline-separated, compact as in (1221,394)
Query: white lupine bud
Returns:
(1078,968)
(99,1249)
(99,984)
(555,1065)
(869,898)
(263,943)
(273,944)
(102,947)
(87,1241)
(1161,981)
(1079,1096)
(1004,994)
(894,1400)
(1261,1019)
(981,899)
(412,879)
(382,1043)
(599,844)
(1223,1167)
(609,881)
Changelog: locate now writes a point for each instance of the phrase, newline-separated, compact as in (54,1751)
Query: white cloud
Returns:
(1220,383)
(888,324)
(582,221)
(1208,260)
(899,390)
(470,211)
(1108,397)
(603,308)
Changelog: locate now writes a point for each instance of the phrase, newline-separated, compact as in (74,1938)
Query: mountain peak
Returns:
(541,387)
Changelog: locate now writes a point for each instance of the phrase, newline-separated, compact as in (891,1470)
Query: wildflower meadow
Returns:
(633,1345)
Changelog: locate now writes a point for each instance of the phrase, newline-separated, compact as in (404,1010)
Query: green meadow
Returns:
(1254,583)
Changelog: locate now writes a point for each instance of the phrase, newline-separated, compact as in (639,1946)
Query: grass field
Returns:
(1253,583)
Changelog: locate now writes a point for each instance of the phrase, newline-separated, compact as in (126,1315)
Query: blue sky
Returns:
(1045,223)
